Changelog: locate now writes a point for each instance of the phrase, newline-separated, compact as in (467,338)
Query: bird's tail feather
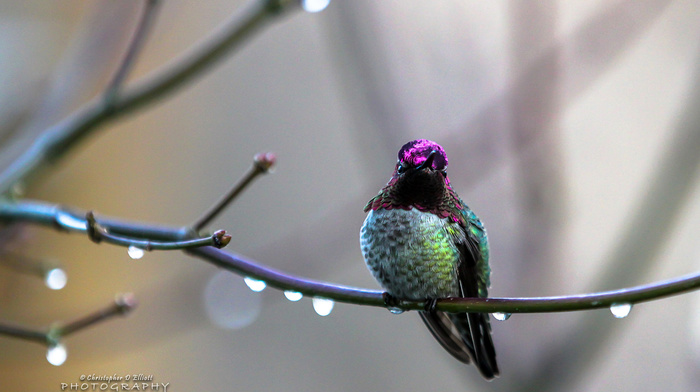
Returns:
(466,336)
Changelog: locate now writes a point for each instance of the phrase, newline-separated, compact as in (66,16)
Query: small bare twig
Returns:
(27,265)
(122,305)
(262,163)
(97,233)
(23,333)
(142,29)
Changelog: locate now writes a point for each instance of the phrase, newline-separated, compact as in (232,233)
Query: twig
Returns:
(22,333)
(122,305)
(262,163)
(142,29)
(97,233)
(27,265)
(39,213)
(59,138)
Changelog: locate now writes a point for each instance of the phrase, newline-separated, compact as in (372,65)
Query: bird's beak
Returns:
(428,161)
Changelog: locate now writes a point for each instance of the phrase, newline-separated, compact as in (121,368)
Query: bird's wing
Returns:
(472,285)
(467,336)
(443,328)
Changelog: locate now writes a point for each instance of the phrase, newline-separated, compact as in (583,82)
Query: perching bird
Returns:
(421,242)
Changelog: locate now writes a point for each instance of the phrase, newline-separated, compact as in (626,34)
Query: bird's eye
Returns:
(400,168)
(444,173)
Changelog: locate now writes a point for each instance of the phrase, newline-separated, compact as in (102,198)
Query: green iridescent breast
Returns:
(412,254)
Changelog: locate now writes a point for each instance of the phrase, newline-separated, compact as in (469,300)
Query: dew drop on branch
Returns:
(293,296)
(314,5)
(229,303)
(135,252)
(18,189)
(621,310)
(396,310)
(57,354)
(500,316)
(323,306)
(254,284)
(56,279)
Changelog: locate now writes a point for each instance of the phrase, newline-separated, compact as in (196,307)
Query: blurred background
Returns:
(571,128)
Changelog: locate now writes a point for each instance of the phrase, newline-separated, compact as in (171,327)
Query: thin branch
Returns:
(26,264)
(122,305)
(61,137)
(39,213)
(606,299)
(23,333)
(142,29)
(97,233)
(262,163)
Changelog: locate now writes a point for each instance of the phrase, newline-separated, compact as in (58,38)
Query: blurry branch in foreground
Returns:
(648,228)
(150,8)
(122,305)
(116,100)
(61,137)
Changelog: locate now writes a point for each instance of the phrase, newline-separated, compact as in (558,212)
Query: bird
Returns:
(421,242)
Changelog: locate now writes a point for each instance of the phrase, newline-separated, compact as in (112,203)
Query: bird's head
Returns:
(420,175)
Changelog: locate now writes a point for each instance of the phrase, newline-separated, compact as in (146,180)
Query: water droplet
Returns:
(56,279)
(293,296)
(229,303)
(323,306)
(500,316)
(68,221)
(396,310)
(18,189)
(314,5)
(135,253)
(57,354)
(254,284)
(621,310)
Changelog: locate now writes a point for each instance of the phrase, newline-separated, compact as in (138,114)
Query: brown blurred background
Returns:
(557,118)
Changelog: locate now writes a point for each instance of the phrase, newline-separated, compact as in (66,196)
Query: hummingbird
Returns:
(421,242)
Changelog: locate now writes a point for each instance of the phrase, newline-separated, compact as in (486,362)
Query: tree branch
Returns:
(62,136)
(150,8)
(97,233)
(23,333)
(75,221)
(122,305)
(262,163)
(27,265)
(606,299)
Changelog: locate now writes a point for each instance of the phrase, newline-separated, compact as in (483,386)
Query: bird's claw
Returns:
(389,300)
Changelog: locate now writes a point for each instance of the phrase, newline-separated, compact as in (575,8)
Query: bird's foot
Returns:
(390,301)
